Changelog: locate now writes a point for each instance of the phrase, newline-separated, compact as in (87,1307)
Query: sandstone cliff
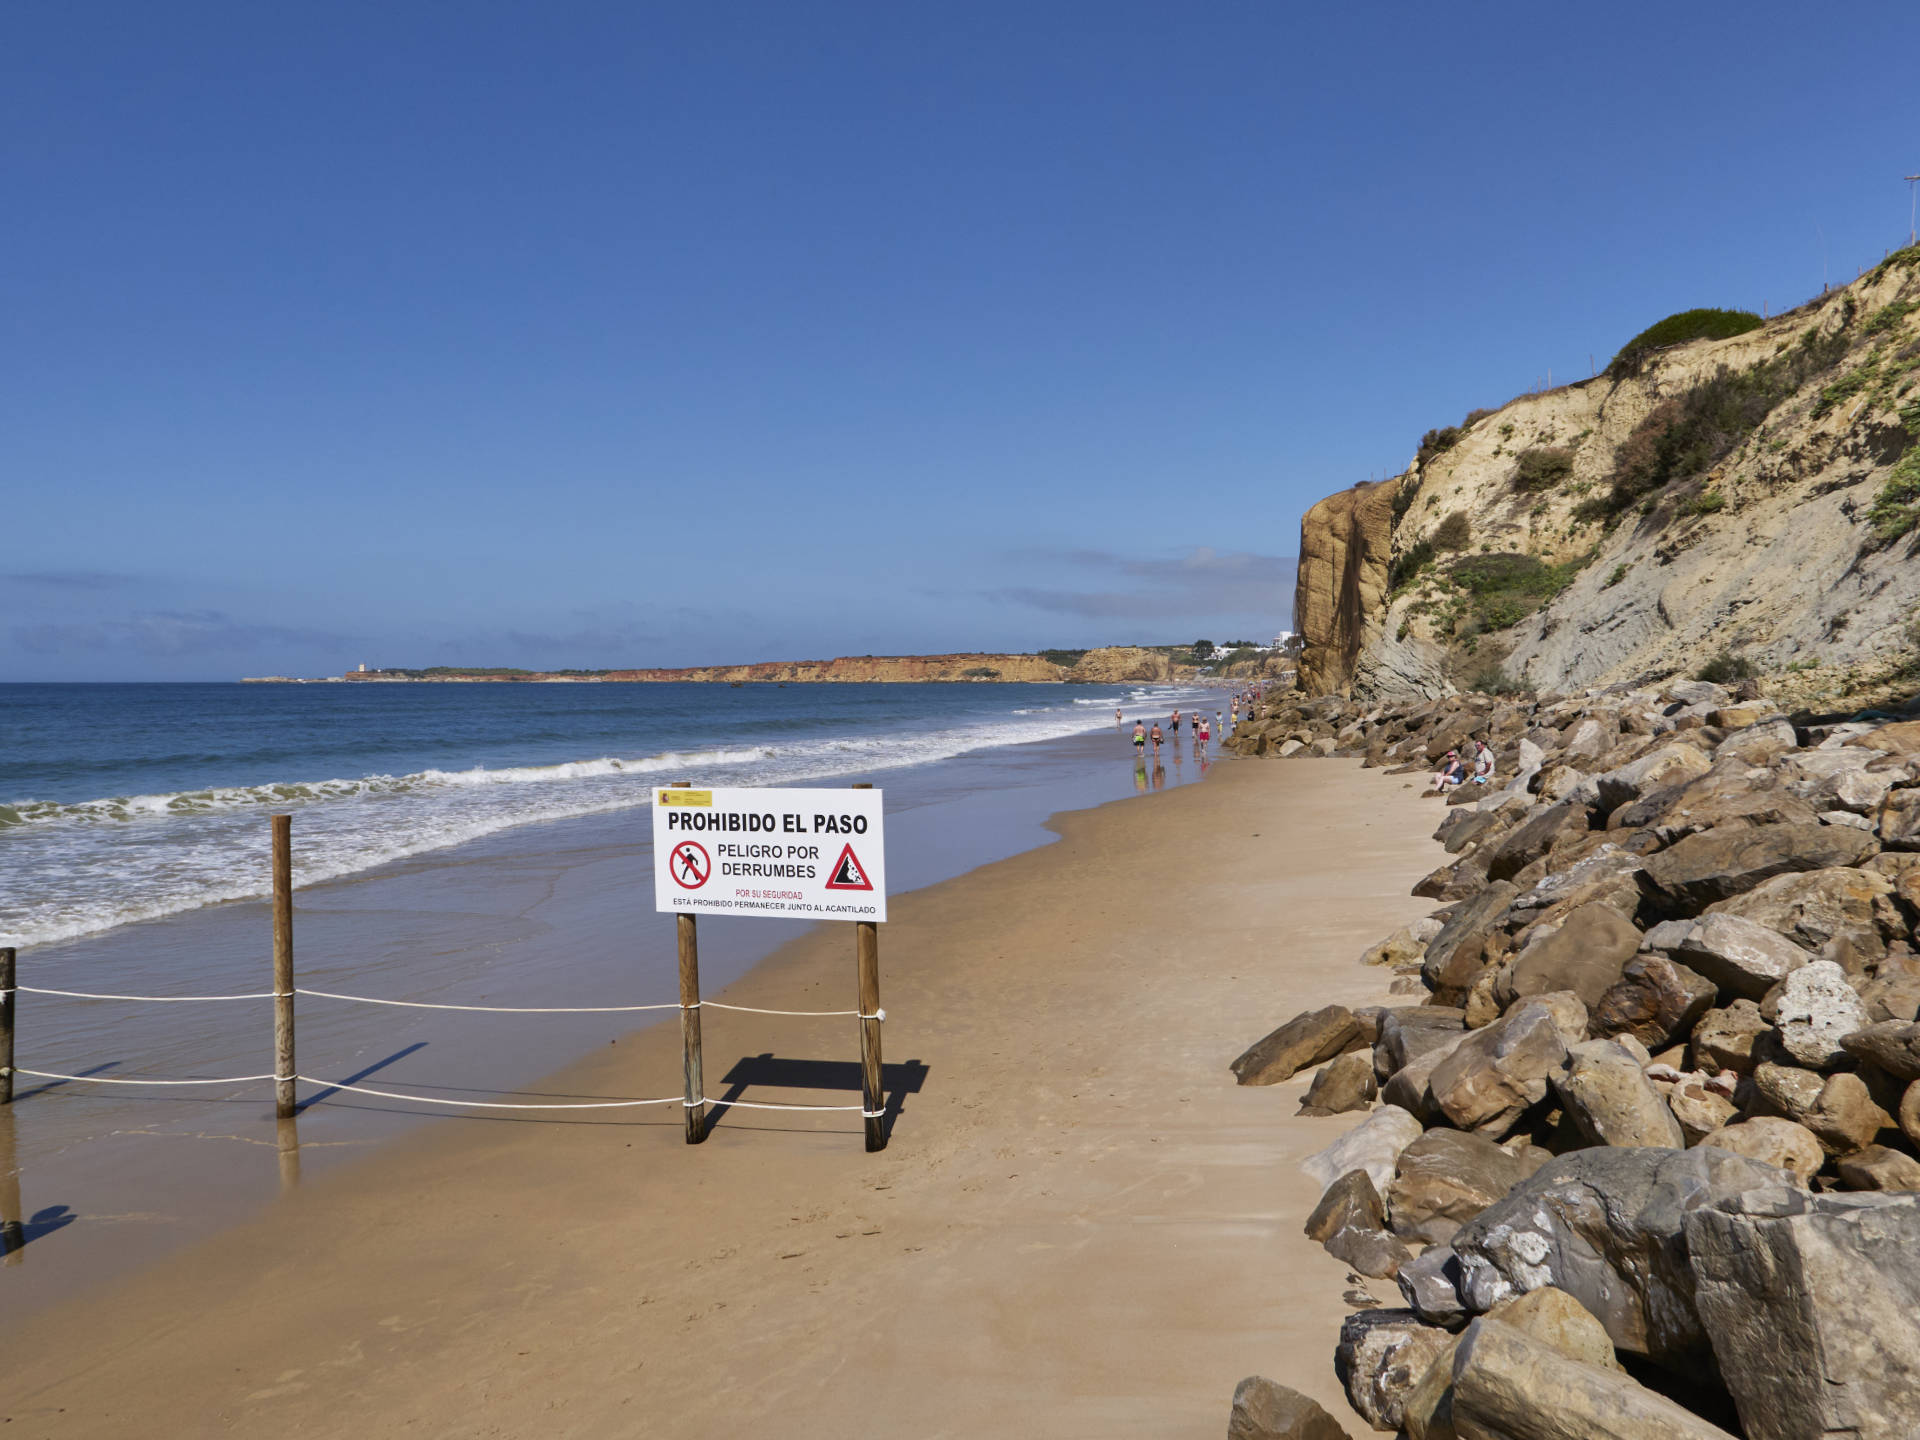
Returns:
(1749,501)
(1118,663)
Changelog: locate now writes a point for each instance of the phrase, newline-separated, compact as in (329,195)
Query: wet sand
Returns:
(1080,1227)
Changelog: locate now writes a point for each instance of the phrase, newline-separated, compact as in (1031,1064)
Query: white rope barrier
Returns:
(440,1005)
(103,1080)
(489,1009)
(156,999)
(337,1085)
(496,1104)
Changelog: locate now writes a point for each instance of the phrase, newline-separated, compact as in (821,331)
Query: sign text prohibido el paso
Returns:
(800,854)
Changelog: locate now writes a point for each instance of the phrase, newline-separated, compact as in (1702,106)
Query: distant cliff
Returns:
(1748,504)
(1112,664)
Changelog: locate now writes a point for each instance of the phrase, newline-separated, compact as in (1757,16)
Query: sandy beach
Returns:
(1080,1227)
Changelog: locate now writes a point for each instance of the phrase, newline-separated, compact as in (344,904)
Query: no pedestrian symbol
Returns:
(689,865)
(847,874)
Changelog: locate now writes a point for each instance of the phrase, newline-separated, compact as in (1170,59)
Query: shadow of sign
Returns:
(766,1071)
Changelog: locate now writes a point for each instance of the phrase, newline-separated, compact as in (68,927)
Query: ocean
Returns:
(121,803)
(453,844)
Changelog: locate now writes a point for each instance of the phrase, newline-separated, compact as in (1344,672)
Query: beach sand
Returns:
(1081,1226)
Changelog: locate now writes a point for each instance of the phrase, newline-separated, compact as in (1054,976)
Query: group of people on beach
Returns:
(1197,722)
(1473,768)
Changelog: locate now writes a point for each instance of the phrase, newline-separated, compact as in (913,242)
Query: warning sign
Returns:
(804,854)
(689,865)
(847,874)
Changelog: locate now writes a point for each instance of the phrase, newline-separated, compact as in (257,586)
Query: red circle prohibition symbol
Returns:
(689,865)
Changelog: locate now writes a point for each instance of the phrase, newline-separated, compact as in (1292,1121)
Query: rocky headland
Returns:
(1112,664)
(1745,500)
(1640,1152)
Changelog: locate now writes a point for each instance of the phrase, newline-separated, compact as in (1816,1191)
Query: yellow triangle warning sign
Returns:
(847,872)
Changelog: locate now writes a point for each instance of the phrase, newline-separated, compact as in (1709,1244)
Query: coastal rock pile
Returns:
(1641,1151)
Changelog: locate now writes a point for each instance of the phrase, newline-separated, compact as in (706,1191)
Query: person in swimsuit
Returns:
(1139,738)
(1156,737)
(1176,724)
(1200,735)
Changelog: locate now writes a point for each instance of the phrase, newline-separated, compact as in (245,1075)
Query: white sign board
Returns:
(803,854)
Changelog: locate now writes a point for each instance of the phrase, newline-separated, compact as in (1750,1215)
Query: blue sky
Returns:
(619,334)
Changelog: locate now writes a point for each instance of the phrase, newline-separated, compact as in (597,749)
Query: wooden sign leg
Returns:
(690,1030)
(283,1056)
(873,1100)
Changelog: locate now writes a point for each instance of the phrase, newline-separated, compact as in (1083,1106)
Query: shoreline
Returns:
(558,913)
(589,1268)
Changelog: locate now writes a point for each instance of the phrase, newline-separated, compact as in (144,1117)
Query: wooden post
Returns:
(690,1066)
(690,1030)
(13,1230)
(866,949)
(283,1061)
(7,958)
(287,1142)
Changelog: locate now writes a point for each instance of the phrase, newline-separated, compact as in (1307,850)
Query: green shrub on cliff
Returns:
(1896,509)
(1453,533)
(1541,468)
(1677,330)
(1691,433)
(1503,589)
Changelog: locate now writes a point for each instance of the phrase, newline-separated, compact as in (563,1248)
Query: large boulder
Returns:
(1585,953)
(1308,1039)
(1878,1167)
(1532,840)
(1447,1177)
(1656,1000)
(1381,1356)
(1350,1224)
(1550,1316)
(1725,1039)
(1700,1107)
(1607,876)
(1606,1226)
(1815,1011)
(1498,1073)
(1343,1083)
(1374,1145)
(1411,1088)
(1897,818)
(1608,1099)
(1892,1046)
(1810,1302)
(1739,955)
(1760,743)
(1407,1031)
(1834,914)
(1773,1140)
(1667,766)
(1507,1385)
(1431,1284)
(1844,1117)
(1454,955)
(1716,865)
(1836,779)
(1265,1410)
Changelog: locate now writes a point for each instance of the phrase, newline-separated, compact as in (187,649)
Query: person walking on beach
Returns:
(1200,736)
(1157,736)
(1139,739)
(1176,726)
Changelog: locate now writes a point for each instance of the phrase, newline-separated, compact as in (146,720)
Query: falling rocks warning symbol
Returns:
(847,872)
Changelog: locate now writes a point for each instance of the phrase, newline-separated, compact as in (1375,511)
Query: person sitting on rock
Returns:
(1482,763)
(1451,774)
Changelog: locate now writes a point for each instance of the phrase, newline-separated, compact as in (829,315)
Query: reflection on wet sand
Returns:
(287,1139)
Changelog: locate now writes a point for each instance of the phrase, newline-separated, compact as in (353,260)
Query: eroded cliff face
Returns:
(1346,542)
(1104,666)
(1748,499)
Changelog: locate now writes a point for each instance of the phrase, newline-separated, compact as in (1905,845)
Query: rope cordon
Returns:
(337,1085)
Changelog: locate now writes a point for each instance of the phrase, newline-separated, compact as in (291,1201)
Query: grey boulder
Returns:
(1608,1098)
(1608,1227)
(1381,1356)
(1447,1177)
(1810,1303)
(1740,955)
